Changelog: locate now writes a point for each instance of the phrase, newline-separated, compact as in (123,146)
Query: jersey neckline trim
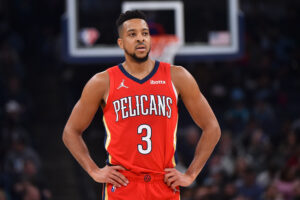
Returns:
(141,81)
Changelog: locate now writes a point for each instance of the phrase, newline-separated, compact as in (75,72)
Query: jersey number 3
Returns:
(146,138)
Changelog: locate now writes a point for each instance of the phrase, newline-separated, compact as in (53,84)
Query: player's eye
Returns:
(132,34)
(145,33)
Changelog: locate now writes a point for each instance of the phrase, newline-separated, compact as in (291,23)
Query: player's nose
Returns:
(140,38)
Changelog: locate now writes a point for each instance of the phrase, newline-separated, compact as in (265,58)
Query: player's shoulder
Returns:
(181,75)
(99,81)
(100,77)
(179,72)
(177,68)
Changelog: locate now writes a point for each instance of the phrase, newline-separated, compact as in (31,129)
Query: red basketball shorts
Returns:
(140,187)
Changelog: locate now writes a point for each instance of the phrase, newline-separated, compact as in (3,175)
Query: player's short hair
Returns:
(128,15)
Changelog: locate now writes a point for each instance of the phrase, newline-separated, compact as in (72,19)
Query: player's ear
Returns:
(120,43)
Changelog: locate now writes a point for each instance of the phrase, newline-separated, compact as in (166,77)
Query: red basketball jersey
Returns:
(140,119)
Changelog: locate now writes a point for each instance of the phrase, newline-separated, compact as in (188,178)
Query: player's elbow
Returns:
(214,131)
(67,134)
(217,131)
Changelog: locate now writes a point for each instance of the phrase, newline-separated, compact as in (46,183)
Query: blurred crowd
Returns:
(21,175)
(20,163)
(247,165)
(256,100)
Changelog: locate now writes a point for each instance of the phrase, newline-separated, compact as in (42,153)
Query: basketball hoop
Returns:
(164,47)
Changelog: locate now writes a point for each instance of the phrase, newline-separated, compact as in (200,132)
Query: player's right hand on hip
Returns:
(110,174)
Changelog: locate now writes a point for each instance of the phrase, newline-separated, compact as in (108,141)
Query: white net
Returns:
(164,47)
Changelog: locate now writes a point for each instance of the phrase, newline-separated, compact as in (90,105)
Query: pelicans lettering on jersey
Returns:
(140,119)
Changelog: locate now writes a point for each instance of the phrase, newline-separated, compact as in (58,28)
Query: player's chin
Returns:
(141,55)
(141,58)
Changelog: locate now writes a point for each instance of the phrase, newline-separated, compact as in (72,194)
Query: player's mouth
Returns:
(141,48)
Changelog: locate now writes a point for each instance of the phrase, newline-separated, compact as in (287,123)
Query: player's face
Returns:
(135,39)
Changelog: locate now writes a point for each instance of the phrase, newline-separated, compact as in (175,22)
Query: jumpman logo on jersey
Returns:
(122,85)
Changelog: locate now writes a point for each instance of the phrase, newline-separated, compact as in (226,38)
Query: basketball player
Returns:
(139,101)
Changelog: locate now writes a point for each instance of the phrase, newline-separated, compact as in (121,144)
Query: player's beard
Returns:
(137,59)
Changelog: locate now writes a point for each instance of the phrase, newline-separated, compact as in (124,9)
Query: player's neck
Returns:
(139,69)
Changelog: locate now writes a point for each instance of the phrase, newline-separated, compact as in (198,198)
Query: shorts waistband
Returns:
(144,177)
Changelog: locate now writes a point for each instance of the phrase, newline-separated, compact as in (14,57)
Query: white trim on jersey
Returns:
(175,91)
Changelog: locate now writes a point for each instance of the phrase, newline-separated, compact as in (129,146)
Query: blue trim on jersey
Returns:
(176,157)
(141,81)
(107,160)
(105,138)
(103,195)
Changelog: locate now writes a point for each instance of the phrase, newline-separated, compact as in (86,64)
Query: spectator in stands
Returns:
(248,187)
(2,195)
(237,116)
(229,192)
(18,154)
(272,193)
(287,182)
(188,144)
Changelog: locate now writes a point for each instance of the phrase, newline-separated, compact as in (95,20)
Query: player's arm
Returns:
(204,117)
(82,115)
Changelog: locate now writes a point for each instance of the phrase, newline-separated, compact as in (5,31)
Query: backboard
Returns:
(206,29)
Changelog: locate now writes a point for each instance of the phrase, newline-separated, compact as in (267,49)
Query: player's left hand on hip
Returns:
(174,178)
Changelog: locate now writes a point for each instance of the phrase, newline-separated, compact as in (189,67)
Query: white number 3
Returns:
(146,138)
